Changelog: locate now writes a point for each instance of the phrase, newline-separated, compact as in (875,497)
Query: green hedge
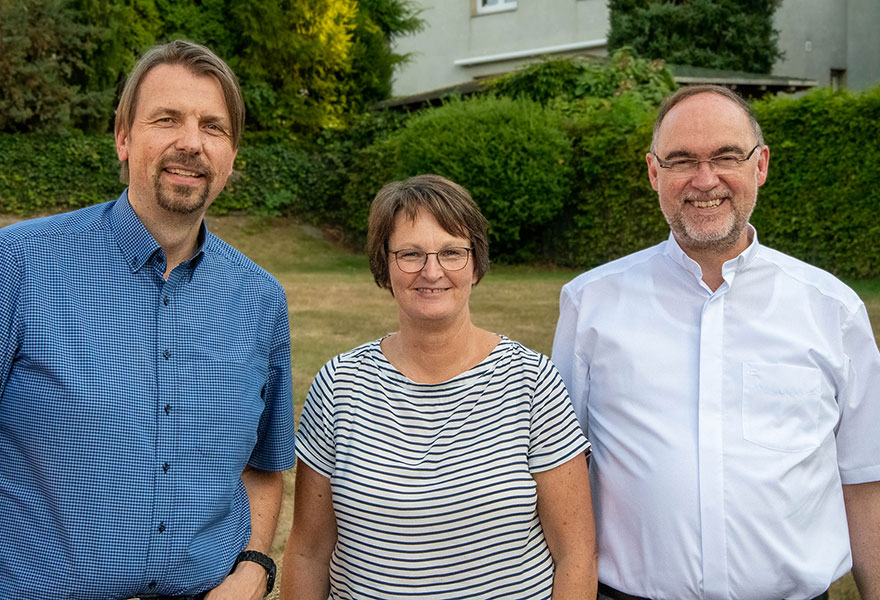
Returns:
(271,178)
(818,203)
(822,194)
(612,211)
(565,183)
(50,173)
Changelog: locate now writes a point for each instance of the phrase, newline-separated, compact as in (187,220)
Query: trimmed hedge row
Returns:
(822,195)
(569,189)
(51,173)
(613,210)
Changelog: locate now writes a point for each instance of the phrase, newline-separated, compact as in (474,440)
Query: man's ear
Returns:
(232,163)
(653,170)
(763,165)
(121,144)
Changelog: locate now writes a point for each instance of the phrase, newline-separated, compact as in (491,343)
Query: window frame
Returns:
(502,6)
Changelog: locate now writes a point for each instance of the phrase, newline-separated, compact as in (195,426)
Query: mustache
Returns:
(190,162)
(698,196)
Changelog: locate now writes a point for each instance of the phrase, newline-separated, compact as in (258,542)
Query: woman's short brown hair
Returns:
(446,201)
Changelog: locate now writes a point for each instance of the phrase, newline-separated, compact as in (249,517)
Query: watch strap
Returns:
(261,559)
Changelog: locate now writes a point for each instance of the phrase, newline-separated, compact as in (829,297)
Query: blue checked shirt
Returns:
(129,406)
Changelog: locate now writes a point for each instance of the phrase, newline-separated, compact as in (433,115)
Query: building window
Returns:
(484,7)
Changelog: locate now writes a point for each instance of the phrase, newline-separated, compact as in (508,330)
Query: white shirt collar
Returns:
(730,267)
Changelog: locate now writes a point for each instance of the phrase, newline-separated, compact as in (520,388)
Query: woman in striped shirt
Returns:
(441,461)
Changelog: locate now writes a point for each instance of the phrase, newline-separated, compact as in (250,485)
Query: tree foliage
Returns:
(304,65)
(293,60)
(720,34)
(569,79)
(41,49)
(377,25)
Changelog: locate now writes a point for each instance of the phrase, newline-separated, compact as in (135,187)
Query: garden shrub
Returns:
(341,155)
(823,190)
(566,79)
(612,210)
(56,172)
(512,155)
(373,167)
(272,178)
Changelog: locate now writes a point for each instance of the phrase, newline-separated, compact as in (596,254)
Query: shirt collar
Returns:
(730,267)
(744,259)
(136,243)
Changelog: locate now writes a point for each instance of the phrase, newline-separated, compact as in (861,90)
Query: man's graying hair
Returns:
(200,61)
(692,90)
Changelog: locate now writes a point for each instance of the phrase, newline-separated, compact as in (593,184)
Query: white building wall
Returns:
(863,44)
(817,36)
(454,31)
(812,34)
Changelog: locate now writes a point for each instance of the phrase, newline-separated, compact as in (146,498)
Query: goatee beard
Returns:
(180,200)
(184,199)
(695,237)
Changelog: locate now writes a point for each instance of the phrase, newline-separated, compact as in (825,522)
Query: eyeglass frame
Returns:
(468,252)
(696,161)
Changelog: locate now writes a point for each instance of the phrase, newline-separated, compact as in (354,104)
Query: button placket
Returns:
(711,447)
(166,376)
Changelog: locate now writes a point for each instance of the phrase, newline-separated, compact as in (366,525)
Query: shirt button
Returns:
(165,467)
(151,585)
(167,409)
(165,300)
(161,527)
(166,353)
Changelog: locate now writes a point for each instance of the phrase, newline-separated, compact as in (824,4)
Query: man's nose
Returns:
(190,137)
(704,178)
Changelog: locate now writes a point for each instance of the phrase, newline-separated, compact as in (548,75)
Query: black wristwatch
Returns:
(264,561)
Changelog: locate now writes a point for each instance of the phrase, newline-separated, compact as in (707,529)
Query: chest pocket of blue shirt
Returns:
(229,405)
(780,406)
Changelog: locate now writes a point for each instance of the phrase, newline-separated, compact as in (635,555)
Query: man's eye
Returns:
(728,160)
(682,164)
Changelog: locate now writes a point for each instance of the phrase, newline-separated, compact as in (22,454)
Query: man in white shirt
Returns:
(731,392)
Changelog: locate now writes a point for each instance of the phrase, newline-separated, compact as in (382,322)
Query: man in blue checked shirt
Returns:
(145,394)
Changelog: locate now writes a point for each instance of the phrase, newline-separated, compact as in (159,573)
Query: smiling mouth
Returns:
(707,203)
(183,172)
(431,290)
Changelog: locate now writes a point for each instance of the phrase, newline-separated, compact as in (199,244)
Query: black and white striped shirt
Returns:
(432,485)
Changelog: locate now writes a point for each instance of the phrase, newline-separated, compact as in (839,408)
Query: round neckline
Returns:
(500,347)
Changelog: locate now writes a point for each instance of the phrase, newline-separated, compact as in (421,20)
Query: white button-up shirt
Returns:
(723,423)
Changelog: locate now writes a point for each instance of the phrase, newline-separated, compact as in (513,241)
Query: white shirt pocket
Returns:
(780,406)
